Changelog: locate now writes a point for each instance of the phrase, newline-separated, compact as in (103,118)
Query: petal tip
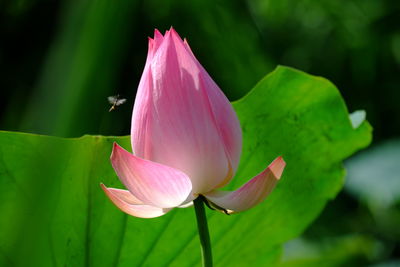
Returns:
(118,153)
(277,167)
(105,188)
(172,30)
(114,151)
(157,33)
(151,42)
(174,33)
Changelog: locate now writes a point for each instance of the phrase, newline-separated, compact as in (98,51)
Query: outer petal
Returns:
(178,123)
(252,193)
(126,202)
(152,183)
(224,115)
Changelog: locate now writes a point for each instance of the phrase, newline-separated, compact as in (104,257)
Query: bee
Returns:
(115,101)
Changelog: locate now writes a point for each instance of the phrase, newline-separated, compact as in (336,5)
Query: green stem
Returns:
(203,231)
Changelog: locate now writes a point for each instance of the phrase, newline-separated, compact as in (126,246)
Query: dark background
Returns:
(59,60)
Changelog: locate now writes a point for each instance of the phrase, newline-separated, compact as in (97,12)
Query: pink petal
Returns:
(152,183)
(158,39)
(180,123)
(185,42)
(154,44)
(126,202)
(225,116)
(150,51)
(225,119)
(252,193)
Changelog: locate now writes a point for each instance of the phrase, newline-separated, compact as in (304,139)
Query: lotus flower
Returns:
(186,140)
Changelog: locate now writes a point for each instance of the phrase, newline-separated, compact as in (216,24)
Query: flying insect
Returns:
(115,101)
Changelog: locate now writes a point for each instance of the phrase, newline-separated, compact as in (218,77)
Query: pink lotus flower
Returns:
(186,140)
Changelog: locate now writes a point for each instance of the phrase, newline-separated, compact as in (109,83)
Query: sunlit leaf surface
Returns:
(53,212)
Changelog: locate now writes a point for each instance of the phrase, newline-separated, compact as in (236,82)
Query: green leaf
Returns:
(53,212)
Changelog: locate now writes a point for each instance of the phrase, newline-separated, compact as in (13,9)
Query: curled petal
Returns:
(152,183)
(250,194)
(126,202)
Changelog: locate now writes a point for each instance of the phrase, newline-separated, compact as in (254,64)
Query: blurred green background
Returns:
(59,60)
